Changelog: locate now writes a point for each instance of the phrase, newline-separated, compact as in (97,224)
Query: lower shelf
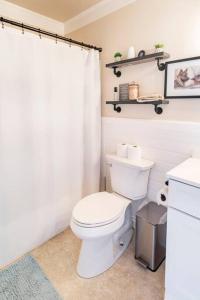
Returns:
(156,103)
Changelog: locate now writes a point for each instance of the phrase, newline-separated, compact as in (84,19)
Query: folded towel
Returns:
(149,98)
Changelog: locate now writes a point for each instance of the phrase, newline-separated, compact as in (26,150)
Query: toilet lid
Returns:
(99,208)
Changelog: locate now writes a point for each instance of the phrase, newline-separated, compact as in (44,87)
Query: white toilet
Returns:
(103,221)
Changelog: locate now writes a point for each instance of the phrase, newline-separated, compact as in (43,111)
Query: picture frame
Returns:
(182,78)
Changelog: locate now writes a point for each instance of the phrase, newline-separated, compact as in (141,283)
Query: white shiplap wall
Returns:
(167,143)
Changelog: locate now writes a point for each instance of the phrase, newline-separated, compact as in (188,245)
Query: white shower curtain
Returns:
(92,125)
(49,134)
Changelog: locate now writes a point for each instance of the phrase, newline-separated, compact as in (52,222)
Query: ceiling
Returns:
(61,10)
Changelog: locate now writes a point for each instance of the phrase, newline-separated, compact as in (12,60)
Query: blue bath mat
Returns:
(25,280)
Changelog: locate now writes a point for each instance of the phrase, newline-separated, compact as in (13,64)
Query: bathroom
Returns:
(61,132)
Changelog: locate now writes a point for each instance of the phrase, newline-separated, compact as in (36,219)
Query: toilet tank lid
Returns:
(141,164)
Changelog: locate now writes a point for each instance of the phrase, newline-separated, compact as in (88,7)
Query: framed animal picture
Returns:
(182,78)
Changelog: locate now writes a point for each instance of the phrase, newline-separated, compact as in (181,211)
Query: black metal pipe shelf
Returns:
(156,104)
(136,102)
(139,60)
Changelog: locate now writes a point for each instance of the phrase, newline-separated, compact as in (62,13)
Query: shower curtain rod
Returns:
(47,33)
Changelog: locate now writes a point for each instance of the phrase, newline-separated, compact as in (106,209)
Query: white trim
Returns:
(95,12)
(20,14)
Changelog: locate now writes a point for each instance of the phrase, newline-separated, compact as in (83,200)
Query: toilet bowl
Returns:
(105,231)
(103,221)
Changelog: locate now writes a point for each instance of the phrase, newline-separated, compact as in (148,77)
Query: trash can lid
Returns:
(152,213)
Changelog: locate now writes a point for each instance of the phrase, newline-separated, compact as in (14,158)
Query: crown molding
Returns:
(95,12)
(20,14)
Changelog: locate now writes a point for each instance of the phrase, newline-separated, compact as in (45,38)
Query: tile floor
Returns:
(126,280)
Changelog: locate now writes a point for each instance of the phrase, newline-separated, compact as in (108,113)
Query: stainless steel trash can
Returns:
(150,239)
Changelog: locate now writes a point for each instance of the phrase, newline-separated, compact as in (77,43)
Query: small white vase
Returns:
(131,52)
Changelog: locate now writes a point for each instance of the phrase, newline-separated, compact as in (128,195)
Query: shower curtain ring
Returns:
(82,46)
(22,28)
(2,23)
(70,43)
(39,31)
(56,38)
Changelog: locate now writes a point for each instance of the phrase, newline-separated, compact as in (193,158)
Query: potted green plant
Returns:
(117,56)
(159,47)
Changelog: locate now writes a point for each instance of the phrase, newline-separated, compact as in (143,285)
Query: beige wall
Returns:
(176,23)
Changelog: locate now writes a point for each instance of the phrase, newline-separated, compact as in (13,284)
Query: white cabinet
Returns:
(182,278)
(185,198)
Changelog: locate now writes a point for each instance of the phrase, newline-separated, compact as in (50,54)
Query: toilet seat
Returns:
(99,209)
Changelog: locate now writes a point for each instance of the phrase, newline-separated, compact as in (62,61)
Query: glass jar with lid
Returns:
(133,90)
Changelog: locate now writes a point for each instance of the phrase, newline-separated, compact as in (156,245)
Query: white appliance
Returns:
(183,232)
(104,220)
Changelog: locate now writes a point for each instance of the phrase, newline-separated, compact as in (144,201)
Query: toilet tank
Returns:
(129,178)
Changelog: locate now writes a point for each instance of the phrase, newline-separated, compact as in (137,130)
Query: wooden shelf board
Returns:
(154,102)
(138,60)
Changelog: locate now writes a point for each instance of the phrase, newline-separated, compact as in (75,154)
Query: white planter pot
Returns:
(118,58)
(159,50)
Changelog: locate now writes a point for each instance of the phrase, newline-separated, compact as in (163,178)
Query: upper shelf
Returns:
(139,60)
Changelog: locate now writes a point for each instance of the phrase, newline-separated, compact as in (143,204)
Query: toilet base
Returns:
(98,255)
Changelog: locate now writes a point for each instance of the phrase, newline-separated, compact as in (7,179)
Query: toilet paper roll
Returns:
(162,196)
(134,152)
(122,150)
